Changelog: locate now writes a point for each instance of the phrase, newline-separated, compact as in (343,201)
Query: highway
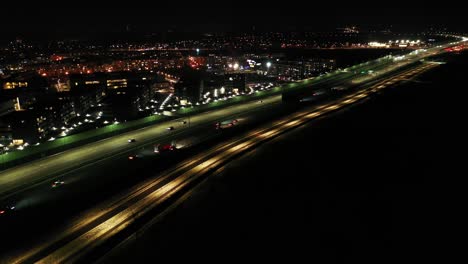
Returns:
(24,176)
(105,221)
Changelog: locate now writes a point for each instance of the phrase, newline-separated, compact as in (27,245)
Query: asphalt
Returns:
(381,182)
(89,223)
(101,170)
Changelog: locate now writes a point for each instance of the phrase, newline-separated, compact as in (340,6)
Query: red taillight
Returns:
(2,212)
(130,157)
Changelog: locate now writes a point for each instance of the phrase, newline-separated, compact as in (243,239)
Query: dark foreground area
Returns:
(375,183)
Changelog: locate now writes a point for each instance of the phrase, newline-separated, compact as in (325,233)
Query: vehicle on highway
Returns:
(131,140)
(184,122)
(319,92)
(134,156)
(6,210)
(170,128)
(57,183)
(161,148)
(226,124)
(339,88)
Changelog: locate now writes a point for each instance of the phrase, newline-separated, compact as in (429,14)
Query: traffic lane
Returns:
(167,242)
(124,217)
(289,124)
(82,189)
(264,112)
(184,165)
(194,134)
(178,123)
(16,176)
(43,191)
(91,184)
(92,150)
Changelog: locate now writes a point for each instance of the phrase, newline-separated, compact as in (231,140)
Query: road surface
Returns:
(105,221)
(26,175)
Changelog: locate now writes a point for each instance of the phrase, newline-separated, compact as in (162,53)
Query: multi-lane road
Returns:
(26,175)
(97,226)
(87,231)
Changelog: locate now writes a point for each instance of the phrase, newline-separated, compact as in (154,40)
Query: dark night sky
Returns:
(83,18)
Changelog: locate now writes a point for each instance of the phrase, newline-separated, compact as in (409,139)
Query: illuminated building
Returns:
(190,86)
(297,70)
(87,90)
(128,92)
(37,121)
(13,85)
(235,81)
(27,81)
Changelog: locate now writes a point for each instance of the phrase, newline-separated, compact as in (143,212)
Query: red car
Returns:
(163,148)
